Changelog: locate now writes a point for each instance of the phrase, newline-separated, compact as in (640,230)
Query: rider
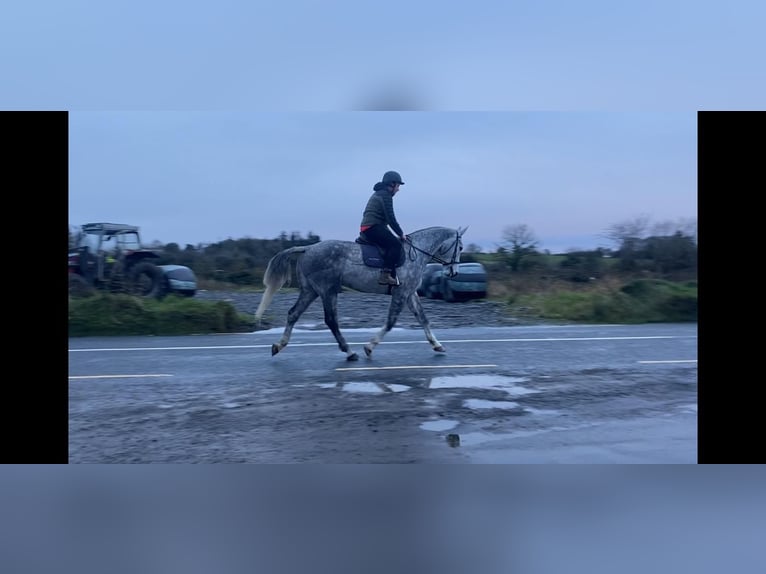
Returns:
(377,217)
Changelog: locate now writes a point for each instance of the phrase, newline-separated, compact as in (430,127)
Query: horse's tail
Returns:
(277,273)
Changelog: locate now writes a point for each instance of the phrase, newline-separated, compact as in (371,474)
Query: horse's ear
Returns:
(461,230)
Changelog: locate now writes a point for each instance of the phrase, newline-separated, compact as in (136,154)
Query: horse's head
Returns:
(450,250)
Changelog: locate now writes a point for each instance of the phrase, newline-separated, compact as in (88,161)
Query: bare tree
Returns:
(685,226)
(631,231)
(628,231)
(518,241)
(472,248)
(688,227)
(663,246)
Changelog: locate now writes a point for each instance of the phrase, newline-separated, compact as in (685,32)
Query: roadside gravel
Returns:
(363,310)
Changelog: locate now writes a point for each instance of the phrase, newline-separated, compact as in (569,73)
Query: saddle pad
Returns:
(372,257)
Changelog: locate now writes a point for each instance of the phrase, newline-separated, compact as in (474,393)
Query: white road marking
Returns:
(544,339)
(673,361)
(116,376)
(334,344)
(412,367)
(212,347)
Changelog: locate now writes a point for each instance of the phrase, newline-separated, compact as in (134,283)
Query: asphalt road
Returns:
(531,394)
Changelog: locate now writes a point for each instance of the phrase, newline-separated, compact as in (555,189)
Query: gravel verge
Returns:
(363,310)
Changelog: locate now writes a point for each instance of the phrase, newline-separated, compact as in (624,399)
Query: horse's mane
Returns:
(428,229)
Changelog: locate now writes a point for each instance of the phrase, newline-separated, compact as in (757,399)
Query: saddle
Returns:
(372,254)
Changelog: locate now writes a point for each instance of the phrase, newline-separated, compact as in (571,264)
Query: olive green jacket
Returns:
(380,211)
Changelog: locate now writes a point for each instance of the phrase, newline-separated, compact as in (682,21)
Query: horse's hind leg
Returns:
(417,309)
(394,309)
(305,298)
(330,302)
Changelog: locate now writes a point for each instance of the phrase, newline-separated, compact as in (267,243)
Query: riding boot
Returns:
(386,278)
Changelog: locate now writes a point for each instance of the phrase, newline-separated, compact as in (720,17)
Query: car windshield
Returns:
(464,269)
(128,241)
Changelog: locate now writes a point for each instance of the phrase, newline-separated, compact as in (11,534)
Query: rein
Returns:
(433,255)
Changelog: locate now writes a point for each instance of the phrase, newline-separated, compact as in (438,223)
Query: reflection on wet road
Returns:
(580,394)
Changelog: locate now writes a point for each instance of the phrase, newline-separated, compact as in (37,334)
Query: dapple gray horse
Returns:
(326,267)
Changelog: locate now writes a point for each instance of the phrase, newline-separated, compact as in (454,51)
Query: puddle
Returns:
(367,387)
(533,411)
(482,404)
(482,437)
(440,425)
(372,388)
(474,438)
(506,384)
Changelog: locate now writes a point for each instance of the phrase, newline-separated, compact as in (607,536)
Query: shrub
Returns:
(665,301)
(115,314)
(105,314)
(641,301)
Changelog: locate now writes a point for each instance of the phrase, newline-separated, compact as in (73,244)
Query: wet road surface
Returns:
(527,394)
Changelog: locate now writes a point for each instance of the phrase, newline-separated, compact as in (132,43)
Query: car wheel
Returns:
(449,295)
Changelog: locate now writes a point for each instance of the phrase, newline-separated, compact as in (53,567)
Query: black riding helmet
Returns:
(392,177)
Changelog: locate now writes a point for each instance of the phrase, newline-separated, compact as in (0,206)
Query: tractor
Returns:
(110,257)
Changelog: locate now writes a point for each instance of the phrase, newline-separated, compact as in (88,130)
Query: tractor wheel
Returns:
(79,286)
(146,280)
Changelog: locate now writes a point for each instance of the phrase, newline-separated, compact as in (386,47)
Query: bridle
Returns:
(434,256)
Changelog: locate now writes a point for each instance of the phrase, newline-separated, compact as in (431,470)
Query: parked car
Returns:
(469,283)
(426,287)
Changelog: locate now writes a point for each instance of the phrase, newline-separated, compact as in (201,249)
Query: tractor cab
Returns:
(102,246)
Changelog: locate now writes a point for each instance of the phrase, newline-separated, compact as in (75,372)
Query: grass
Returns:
(113,314)
(638,301)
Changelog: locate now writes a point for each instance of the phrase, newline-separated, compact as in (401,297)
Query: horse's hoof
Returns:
(274,350)
(352,357)
(367,351)
(440,349)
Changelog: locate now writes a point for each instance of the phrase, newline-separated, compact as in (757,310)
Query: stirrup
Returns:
(385,279)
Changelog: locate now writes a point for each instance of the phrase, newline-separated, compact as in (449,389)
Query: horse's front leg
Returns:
(397,303)
(417,309)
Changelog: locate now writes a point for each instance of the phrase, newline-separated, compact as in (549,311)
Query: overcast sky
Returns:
(654,55)
(185,115)
(200,177)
